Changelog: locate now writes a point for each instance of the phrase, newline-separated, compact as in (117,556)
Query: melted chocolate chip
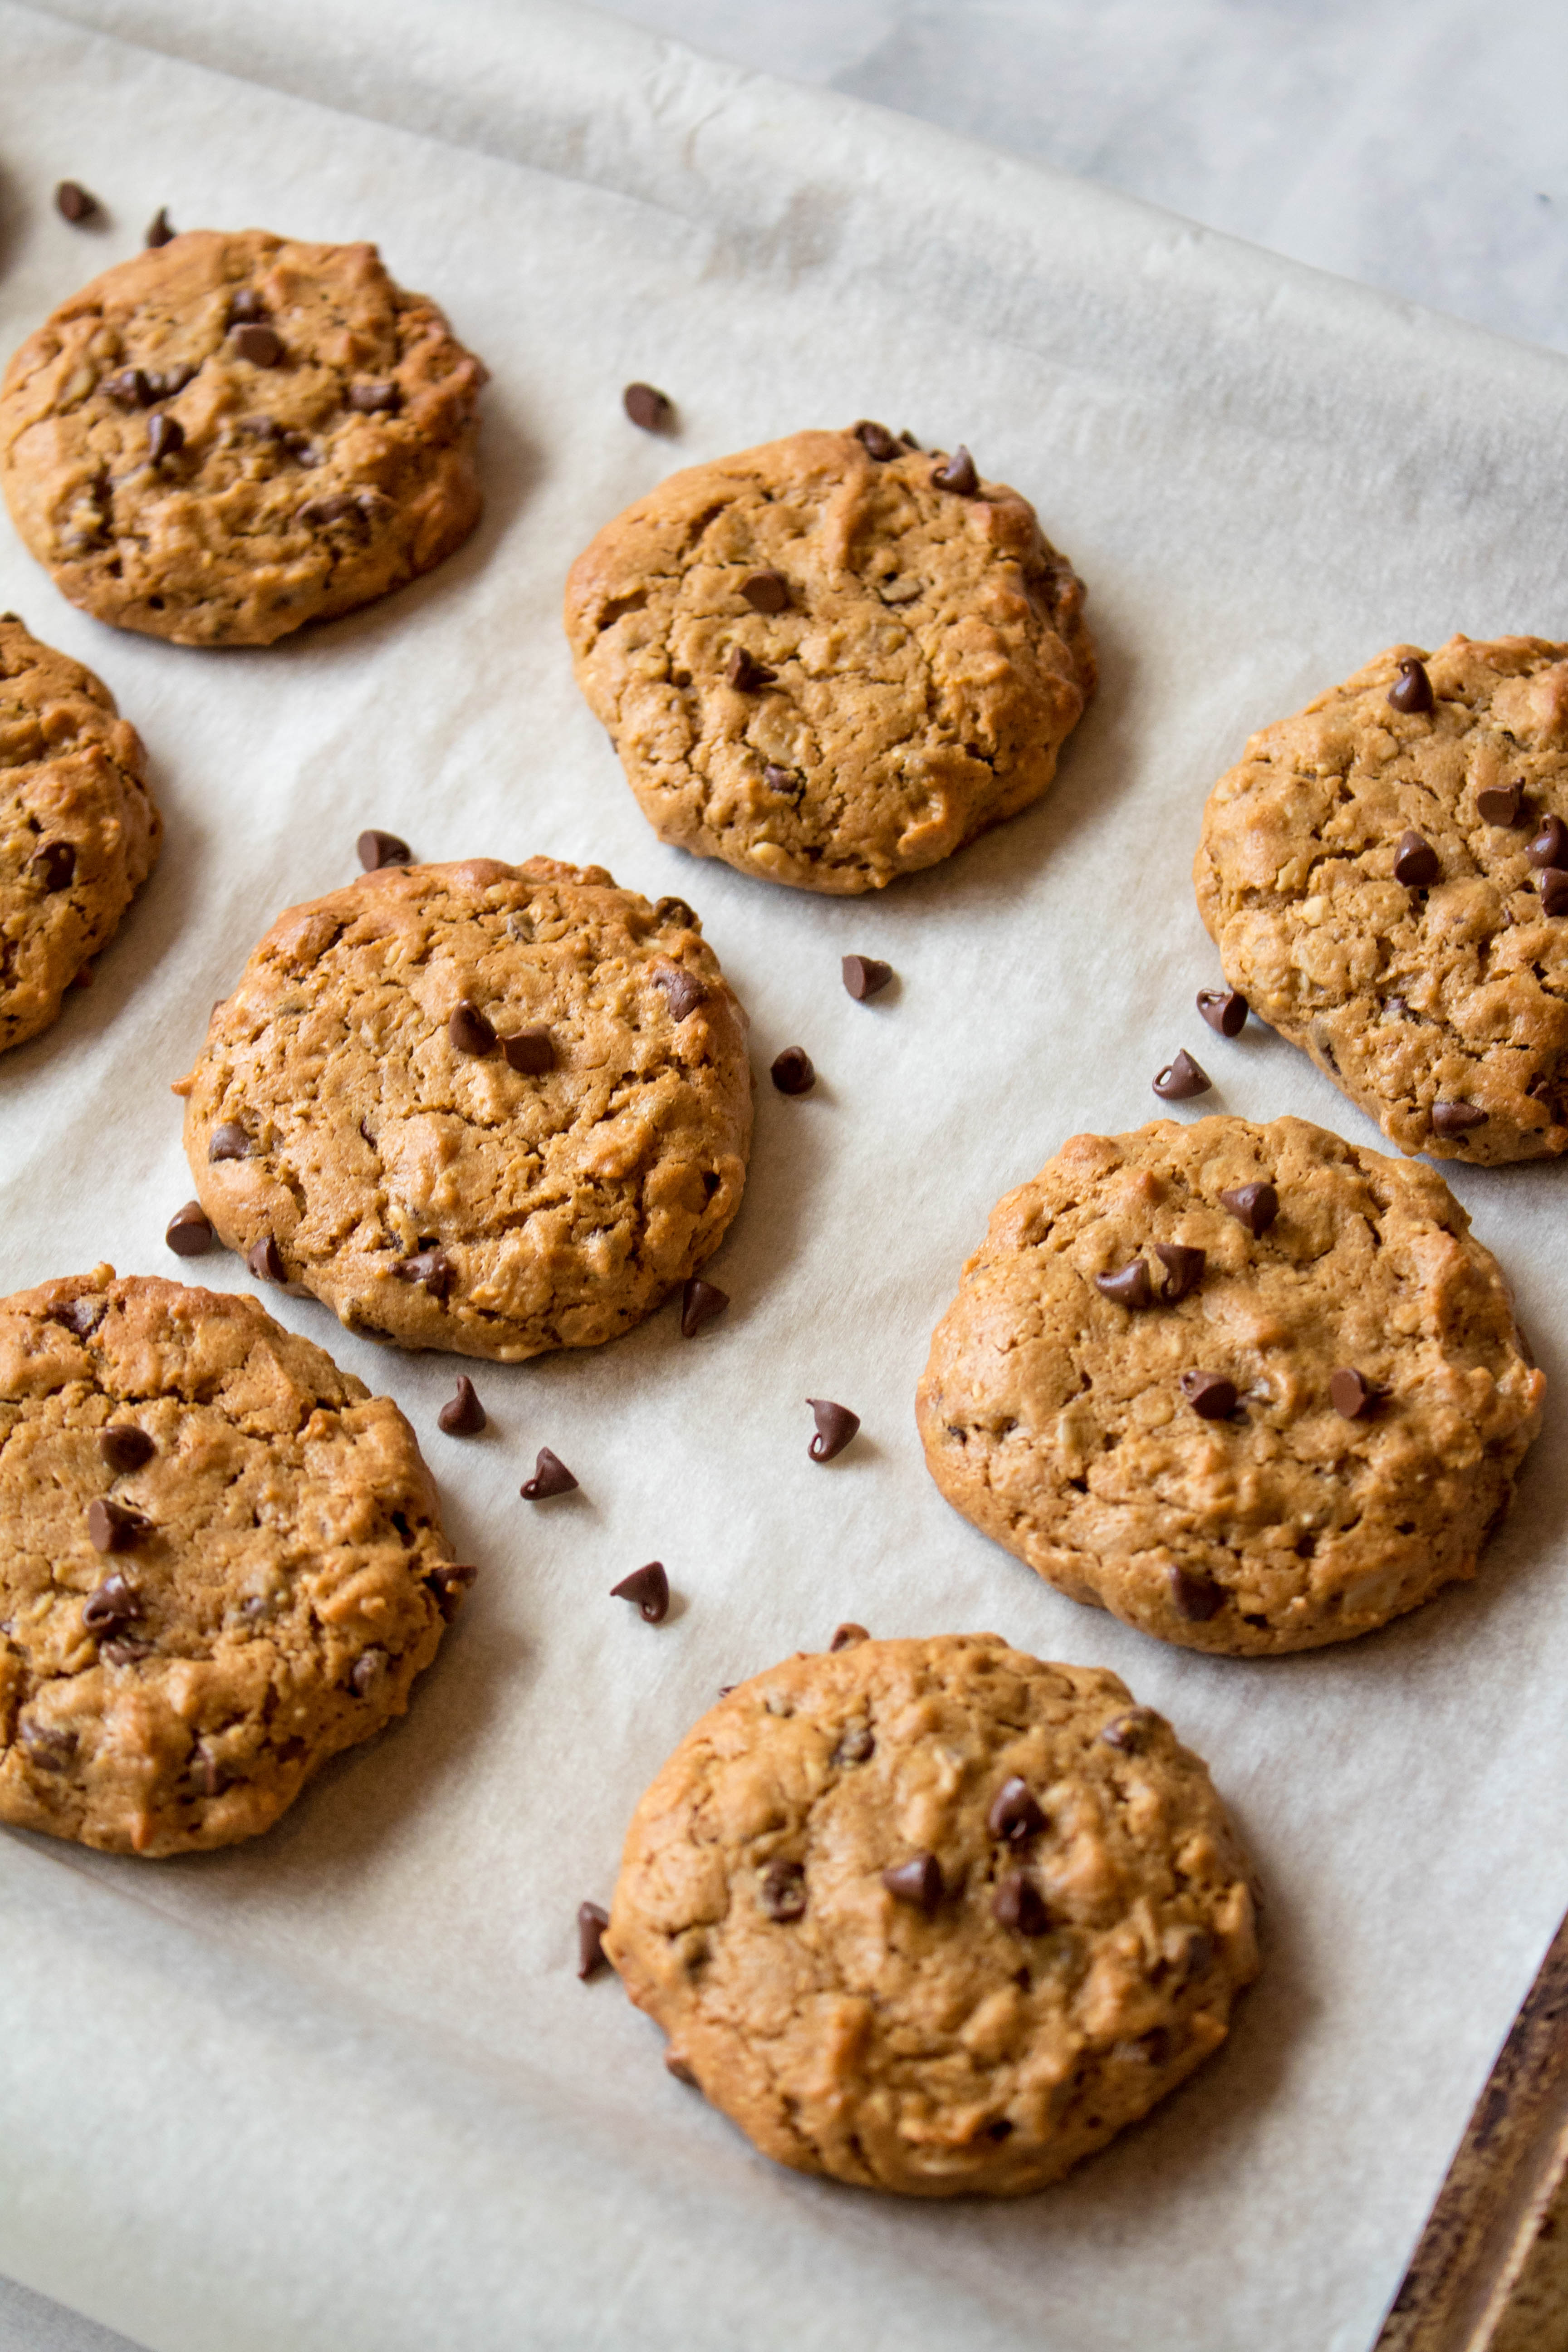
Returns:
(266,1261)
(781,780)
(1197,1596)
(863,976)
(228,1140)
(165,435)
(682,2069)
(846,1636)
(1184,1269)
(367,1671)
(592,1921)
(48,1746)
(431,1268)
(158,230)
(1210,1394)
(791,1071)
(745,673)
(74,202)
(683,989)
(124,1652)
(1502,805)
(463,1415)
(1550,846)
(383,398)
(124,1447)
(648,408)
(1131,1732)
(701,1302)
(835,1425)
(1018,1904)
(82,1316)
(449,1581)
(260,344)
(956,473)
(876,440)
(132,388)
(1457,1117)
(917,1881)
(855,1745)
(1181,1080)
(1225,1010)
(1133,1286)
(551,1476)
(1013,1815)
(675,914)
(340,507)
(1552,885)
(1416,863)
(783,1891)
(469,1031)
(767,592)
(647,1588)
(1255,1206)
(530,1051)
(379,849)
(246,304)
(1412,689)
(55,865)
(114,1527)
(1351,1394)
(189,1232)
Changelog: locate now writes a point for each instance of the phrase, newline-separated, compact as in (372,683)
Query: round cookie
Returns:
(221,1560)
(79,830)
(486,1108)
(229,436)
(1383,875)
(1067,1924)
(825,668)
(1247,1387)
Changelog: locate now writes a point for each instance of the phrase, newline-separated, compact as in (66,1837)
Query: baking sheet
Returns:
(341,2088)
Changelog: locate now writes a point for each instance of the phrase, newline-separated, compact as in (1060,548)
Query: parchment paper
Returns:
(341,2089)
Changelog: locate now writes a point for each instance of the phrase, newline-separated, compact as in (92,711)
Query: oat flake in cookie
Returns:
(824,666)
(932,1915)
(1075,1404)
(486,1108)
(78,829)
(1381,873)
(221,1560)
(230,436)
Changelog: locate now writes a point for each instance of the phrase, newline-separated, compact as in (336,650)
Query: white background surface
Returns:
(1396,142)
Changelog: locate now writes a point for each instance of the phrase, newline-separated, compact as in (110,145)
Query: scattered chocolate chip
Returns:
(863,976)
(1457,1117)
(855,1745)
(378,399)
(261,345)
(1550,846)
(1197,1597)
(159,231)
(1552,885)
(49,1747)
(1013,1815)
(132,388)
(366,1671)
(919,1880)
(1255,1206)
(745,673)
(592,1921)
(1501,804)
(956,473)
(228,1141)
(125,1447)
(1225,1010)
(791,1071)
(783,1890)
(74,202)
(82,1316)
(114,1527)
(653,411)
(265,1260)
(846,1636)
(701,1302)
(1130,1732)
(189,1232)
(646,1588)
(674,912)
(1181,1080)
(431,1267)
(835,1425)
(1132,1287)
(463,1415)
(1412,689)
(450,1583)
(379,849)
(683,988)
(1351,1394)
(767,592)
(551,1476)
(469,1031)
(54,864)
(531,1051)
(1210,1394)
(1183,1268)
(166,435)
(1018,1904)
(1416,863)
(877,441)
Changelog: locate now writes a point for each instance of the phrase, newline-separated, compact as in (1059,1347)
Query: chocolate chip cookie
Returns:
(221,1560)
(229,436)
(488,1108)
(831,660)
(933,1917)
(1247,1387)
(1386,877)
(80,832)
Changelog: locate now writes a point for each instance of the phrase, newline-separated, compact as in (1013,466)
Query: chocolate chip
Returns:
(956,473)
(261,345)
(132,388)
(653,411)
(1197,1596)
(781,780)
(683,988)
(1210,1394)
(783,1890)
(592,1921)
(1552,885)
(469,1031)
(1131,1732)
(124,1447)
(1457,1117)
(245,305)
(682,2069)
(1501,804)
(530,1051)
(863,976)
(431,1268)
(48,1746)
(855,1745)
(166,435)
(82,1316)
(1018,1904)
(366,1671)
(379,849)
(74,202)
(919,1880)
(835,1425)
(647,1588)
(449,1581)
(767,592)
(846,1636)
(876,440)
(1416,863)
(701,1302)
(791,1071)
(114,1527)
(1132,1287)
(189,1232)
(551,1476)
(169,382)
(265,1260)
(1181,1080)
(674,913)
(463,1415)
(1351,1394)
(124,1652)
(1013,1815)
(159,231)
(228,1141)
(1183,1267)
(1412,689)
(341,507)
(55,863)
(383,398)
(745,673)
(1255,1206)
(1550,846)
(1225,1010)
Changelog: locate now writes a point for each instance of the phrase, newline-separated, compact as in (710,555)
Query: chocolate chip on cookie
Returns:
(917,1881)
(1255,1206)
(1210,1394)
(378,849)
(125,1447)
(1416,863)
(530,1051)
(766,591)
(1412,689)
(957,473)
(471,1031)
(1131,1285)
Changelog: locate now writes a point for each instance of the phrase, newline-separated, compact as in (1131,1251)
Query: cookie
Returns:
(221,1561)
(1248,1387)
(80,832)
(1385,877)
(933,1917)
(831,660)
(229,436)
(486,1108)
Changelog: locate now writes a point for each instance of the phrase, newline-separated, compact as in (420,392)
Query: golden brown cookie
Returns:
(932,1915)
(221,1560)
(80,832)
(831,660)
(231,434)
(488,1108)
(1247,1387)
(1386,877)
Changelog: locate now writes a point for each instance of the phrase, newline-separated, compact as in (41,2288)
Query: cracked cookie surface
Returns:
(80,832)
(231,434)
(1071,1426)
(275,1573)
(917,660)
(441,1197)
(1440,1005)
(1074,1955)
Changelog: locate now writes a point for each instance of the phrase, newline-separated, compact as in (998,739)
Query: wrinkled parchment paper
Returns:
(341,2089)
